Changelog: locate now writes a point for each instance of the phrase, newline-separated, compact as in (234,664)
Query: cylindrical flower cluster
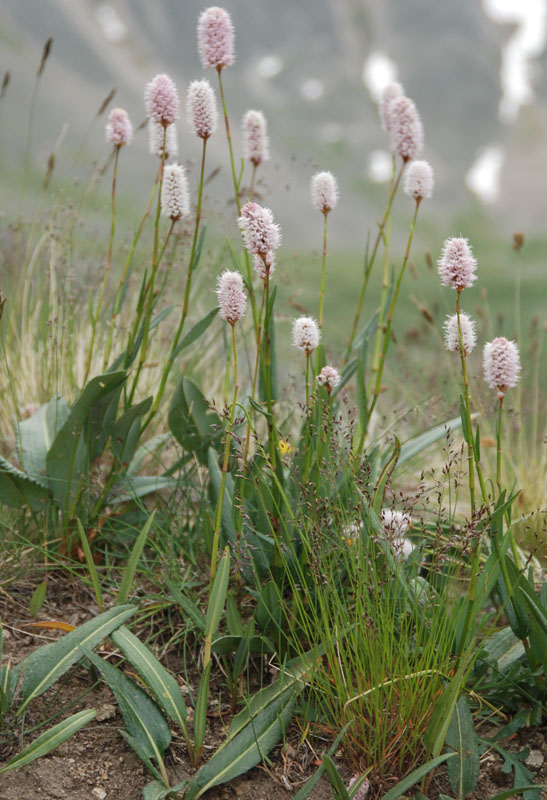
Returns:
(305,334)
(419,180)
(501,364)
(175,194)
(260,233)
(324,191)
(215,38)
(395,525)
(451,334)
(264,265)
(201,109)
(390,93)
(328,378)
(457,264)
(161,100)
(119,130)
(231,296)
(255,138)
(155,139)
(405,128)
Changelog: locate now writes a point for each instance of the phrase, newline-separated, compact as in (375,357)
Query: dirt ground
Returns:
(97,764)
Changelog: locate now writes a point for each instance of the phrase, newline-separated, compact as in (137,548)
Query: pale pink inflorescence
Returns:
(501,364)
(255,137)
(419,180)
(305,334)
(155,139)
(201,109)
(324,191)
(161,100)
(119,130)
(329,378)
(451,334)
(260,233)
(175,194)
(362,791)
(457,264)
(405,129)
(391,92)
(264,265)
(231,296)
(215,38)
(395,525)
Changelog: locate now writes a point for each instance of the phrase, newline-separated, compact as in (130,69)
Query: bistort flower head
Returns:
(329,378)
(264,265)
(201,109)
(161,100)
(501,364)
(406,131)
(390,93)
(451,335)
(215,38)
(457,264)
(255,138)
(231,296)
(362,791)
(324,191)
(119,130)
(175,194)
(260,233)
(419,180)
(305,334)
(155,139)
(395,525)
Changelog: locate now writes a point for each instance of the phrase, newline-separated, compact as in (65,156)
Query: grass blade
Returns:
(131,568)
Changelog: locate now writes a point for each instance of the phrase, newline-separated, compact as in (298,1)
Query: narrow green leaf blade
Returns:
(131,567)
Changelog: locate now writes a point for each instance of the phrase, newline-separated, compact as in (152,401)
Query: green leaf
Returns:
(189,608)
(46,664)
(156,790)
(200,711)
(130,488)
(415,776)
(195,332)
(92,569)
(534,787)
(304,792)
(217,597)
(467,434)
(143,720)
(522,776)
(18,490)
(35,436)
(126,432)
(215,476)
(414,446)
(147,449)
(51,739)
(463,771)
(192,421)
(230,644)
(131,566)
(37,599)
(336,782)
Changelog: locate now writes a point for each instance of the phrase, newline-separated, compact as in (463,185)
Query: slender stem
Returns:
(470,449)
(107,266)
(498,444)
(370,262)
(252,186)
(255,374)
(323,266)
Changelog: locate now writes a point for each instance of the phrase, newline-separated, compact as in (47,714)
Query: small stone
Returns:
(535,759)
(106,711)
(99,792)
(6,634)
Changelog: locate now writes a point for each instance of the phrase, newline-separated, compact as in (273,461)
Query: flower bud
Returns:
(391,92)
(324,191)
(406,131)
(255,139)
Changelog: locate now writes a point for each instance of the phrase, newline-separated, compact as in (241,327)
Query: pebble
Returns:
(99,792)
(107,711)
(534,759)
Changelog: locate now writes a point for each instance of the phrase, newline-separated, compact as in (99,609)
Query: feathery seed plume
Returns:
(324,191)
(155,139)
(329,378)
(501,364)
(457,264)
(451,336)
(260,233)
(215,38)
(161,100)
(231,297)
(406,130)
(305,334)
(419,180)
(264,265)
(390,93)
(255,138)
(201,109)
(119,130)
(175,194)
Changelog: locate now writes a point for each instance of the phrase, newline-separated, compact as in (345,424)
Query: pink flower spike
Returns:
(161,100)
(216,38)
(201,109)
(406,130)
(119,130)
(451,334)
(155,139)
(329,378)
(255,138)
(390,93)
(305,334)
(419,180)
(324,191)
(175,194)
(260,233)
(264,265)
(501,364)
(231,297)
(457,264)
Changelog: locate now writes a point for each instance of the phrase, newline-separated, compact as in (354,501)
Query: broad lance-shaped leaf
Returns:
(51,739)
(46,665)
(135,486)
(463,771)
(35,436)
(216,478)
(191,420)
(18,490)
(126,431)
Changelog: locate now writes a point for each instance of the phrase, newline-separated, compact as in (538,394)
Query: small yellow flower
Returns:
(285,447)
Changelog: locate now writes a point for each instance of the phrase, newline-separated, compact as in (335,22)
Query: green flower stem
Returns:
(252,186)
(498,444)
(174,345)
(470,449)
(220,502)
(323,266)
(95,319)
(272,437)
(370,262)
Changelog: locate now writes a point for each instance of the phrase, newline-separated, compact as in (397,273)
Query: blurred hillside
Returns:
(302,64)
